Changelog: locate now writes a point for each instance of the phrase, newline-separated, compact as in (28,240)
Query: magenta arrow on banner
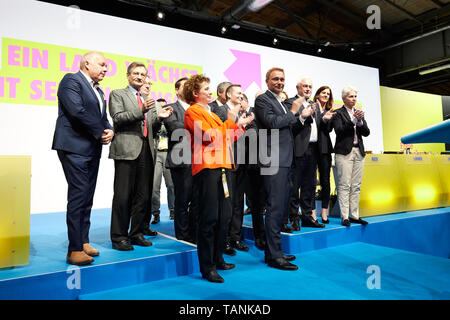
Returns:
(245,70)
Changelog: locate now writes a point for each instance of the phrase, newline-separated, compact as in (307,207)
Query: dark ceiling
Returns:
(413,35)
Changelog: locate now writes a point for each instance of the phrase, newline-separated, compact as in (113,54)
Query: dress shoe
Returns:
(213,276)
(229,250)
(295,225)
(282,264)
(155,219)
(239,246)
(90,251)
(171,215)
(78,258)
(260,244)
(359,220)
(346,223)
(122,245)
(286,228)
(150,232)
(140,241)
(312,223)
(325,221)
(225,266)
(288,257)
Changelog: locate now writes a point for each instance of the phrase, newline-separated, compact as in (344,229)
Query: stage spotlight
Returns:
(223,30)
(352,49)
(275,41)
(319,50)
(160,15)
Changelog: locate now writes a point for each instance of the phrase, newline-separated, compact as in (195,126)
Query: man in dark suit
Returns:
(306,153)
(135,123)
(179,163)
(81,129)
(271,114)
(217,106)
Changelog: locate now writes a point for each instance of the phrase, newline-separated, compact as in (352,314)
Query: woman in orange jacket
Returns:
(212,157)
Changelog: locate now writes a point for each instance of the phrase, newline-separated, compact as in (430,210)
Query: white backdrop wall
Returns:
(28,129)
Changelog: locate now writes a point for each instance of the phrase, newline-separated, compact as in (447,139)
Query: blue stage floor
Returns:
(411,251)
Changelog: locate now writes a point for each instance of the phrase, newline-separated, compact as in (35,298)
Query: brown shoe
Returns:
(78,258)
(89,250)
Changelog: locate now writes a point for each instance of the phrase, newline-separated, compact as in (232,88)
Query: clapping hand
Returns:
(297,104)
(165,112)
(328,115)
(244,120)
(308,111)
(358,113)
(148,104)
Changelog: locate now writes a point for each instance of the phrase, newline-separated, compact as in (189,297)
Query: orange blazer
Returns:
(211,139)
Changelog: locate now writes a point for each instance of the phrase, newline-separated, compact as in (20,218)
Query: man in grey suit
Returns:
(135,121)
(218,105)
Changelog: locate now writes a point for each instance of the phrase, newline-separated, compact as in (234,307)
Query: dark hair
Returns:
(135,65)
(193,84)
(329,104)
(161,100)
(231,88)
(178,83)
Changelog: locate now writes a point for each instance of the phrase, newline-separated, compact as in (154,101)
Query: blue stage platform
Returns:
(410,249)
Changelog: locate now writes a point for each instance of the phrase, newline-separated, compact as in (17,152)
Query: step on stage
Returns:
(397,256)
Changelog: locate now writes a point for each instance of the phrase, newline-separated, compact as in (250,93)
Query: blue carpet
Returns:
(333,273)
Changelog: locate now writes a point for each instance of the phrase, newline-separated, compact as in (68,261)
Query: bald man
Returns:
(81,129)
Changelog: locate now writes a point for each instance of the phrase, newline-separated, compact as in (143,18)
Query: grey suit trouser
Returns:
(349,172)
(160,171)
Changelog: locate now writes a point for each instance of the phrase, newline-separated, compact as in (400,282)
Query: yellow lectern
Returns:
(15,179)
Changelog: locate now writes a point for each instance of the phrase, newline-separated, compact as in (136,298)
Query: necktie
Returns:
(145,115)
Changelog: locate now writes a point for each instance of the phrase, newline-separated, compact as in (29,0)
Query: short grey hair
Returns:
(346,91)
(223,86)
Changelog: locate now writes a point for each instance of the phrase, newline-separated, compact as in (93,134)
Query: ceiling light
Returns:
(223,30)
(235,26)
(275,41)
(436,69)
(160,15)
(319,50)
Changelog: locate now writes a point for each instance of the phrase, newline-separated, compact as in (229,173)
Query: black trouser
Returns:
(305,170)
(213,217)
(277,190)
(257,200)
(81,175)
(186,204)
(131,195)
(294,201)
(324,165)
(238,181)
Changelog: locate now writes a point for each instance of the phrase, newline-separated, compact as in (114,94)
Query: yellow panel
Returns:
(422,181)
(442,162)
(404,112)
(15,179)
(381,188)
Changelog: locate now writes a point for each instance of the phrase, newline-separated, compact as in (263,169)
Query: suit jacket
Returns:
(128,121)
(80,124)
(177,146)
(246,143)
(221,111)
(324,140)
(215,149)
(270,115)
(302,134)
(344,128)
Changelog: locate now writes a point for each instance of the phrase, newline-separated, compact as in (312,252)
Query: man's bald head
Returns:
(304,87)
(94,64)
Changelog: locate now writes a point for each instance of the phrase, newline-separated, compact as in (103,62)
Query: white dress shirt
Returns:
(94,87)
